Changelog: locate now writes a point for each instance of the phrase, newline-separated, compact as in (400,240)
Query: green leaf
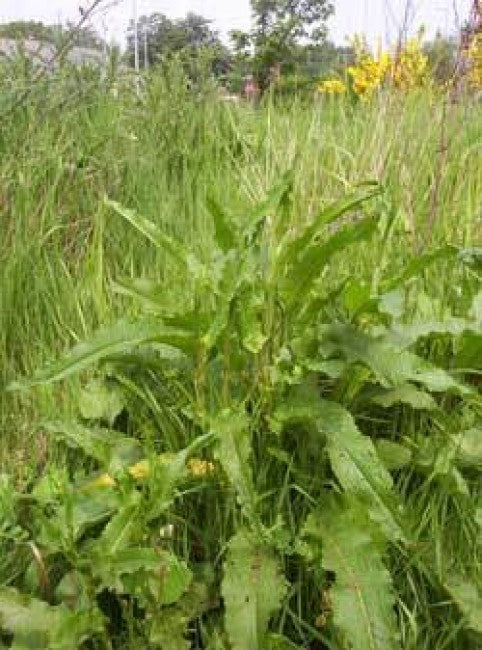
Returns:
(468,598)
(123,528)
(250,315)
(469,448)
(404,336)
(225,236)
(404,394)
(176,250)
(394,455)
(39,626)
(170,624)
(108,341)
(415,266)
(252,589)
(163,574)
(230,278)
(76,514)
(171,580)
(277,200)
(100,400)
(301,273)
(468,353)
(391,366)
(73,590)
(291,252)
(233,451)
(362,594)
(353,458)
(113,450)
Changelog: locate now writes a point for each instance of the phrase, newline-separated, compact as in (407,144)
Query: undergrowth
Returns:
(267,431)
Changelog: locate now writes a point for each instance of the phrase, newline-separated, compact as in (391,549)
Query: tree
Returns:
(279,26)
(85,36)
(190,38)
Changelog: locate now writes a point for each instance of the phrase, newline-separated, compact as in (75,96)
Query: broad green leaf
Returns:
(301,274)
(233,450)
(394,455)
(225,236)
(39,626)
(390,365)
(77,513)
(230,278)
(415,266)
(170,624)
(362,593)
(252,589)
(113,450)
(436,456)
(353,458)
(251,308)
(109,341)
(163,574)
(404,336)
(277,200)
(100,400)
(124,527)
(355,295)
(469,448)
(404,394)
(468,598)
(468,355)
(392,303)
(176,250)
(171,580)
(291,252)
(73,590)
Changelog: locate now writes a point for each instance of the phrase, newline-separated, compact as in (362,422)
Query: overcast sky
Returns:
(375,18)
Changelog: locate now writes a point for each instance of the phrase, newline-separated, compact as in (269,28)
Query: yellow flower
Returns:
(196,467)
(474,60)
(332,87)
(199,468)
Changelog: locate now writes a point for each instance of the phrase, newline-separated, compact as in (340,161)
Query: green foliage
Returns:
(281,403)
(362,593)
(252,590)
(190,39)
(36,625)
(278,28)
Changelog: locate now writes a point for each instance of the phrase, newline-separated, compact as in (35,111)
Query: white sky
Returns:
(375,18)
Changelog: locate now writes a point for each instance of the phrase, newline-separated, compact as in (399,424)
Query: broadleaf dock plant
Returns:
(248,478)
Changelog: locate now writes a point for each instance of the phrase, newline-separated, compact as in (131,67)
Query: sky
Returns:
(375,18)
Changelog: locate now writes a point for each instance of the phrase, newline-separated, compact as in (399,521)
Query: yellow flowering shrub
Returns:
(410,68)
(406,69)
(369,74)
(474,56)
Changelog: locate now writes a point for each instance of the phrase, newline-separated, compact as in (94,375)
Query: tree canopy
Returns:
(190,38)
(280,26)
(85,36)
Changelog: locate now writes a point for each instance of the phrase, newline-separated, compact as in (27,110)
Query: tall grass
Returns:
(77,141)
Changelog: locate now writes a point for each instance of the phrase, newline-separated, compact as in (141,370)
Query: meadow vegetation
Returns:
(240,367)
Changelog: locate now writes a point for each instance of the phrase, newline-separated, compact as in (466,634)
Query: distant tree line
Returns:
(86,36)
(287,44)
